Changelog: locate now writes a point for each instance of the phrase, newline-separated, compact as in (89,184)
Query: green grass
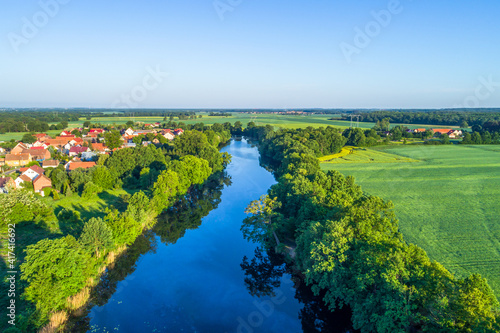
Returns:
(18,136)
(363,155)
(275,120)
(93,207)
(447,203)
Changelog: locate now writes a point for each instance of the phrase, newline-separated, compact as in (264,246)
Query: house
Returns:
(66,137)
(455,134)
(40,183)
(77,165)
(6,184)
(167,134)
(17,160)
(38,153)
(143,132)
(441,130)
(74,151)
(42,137)
(21,179)
(88,156)
(178,131)
(50,164)
(129,132)
(33,171)
(100,147)
(18,149)
(65,133)
(96,131)
(76,142)
(2,161)
(58,143)
(40,144)
(420,130)
(157,124)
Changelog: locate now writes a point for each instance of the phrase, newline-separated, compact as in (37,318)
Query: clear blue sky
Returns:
(264,54)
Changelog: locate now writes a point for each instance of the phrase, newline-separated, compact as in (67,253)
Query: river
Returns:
(190,274)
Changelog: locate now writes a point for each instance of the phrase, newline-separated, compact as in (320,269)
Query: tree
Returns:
(113,139)
(166,188)
(445,139)
(96,236)
(124,227)
(54,269)
(102,177)
(476,138)
(89,190)
(464,124)
(261,224)
(28,138)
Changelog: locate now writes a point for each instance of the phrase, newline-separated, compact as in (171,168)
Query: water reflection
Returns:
(188,212)
(264,273)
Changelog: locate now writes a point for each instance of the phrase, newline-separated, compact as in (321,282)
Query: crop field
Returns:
(284,121)
(363,155)
(448,203)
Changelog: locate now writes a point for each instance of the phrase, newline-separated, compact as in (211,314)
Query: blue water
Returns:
(197,284)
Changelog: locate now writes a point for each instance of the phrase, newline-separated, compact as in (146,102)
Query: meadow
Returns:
(447,203)
(284,121)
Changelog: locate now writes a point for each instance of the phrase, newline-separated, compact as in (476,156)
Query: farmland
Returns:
(284,121)
(447,203)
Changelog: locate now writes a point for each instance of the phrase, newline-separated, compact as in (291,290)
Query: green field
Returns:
(275,120)
(448,203)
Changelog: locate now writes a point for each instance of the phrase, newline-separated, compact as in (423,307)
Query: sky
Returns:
(250,54)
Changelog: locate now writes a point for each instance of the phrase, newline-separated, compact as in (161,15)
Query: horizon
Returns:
(250,55)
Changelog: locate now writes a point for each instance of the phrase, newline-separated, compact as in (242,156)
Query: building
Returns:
(40,144)
(17,160)
(58,143)
(442,130)
(89,156)
(38,153)
(65,133)
(96,131)
(32,172)
(41,183)
(76,150)
(76,142)
(18,149)
(70,166)
(178,131)
(129,132)
(100,147)
(454,134)
(167,134)
(50,164)
(42,137)
(21,179)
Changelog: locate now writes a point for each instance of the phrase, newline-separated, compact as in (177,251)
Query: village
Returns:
(24,166)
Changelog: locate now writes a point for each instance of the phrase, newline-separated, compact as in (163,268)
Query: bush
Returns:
(47,191)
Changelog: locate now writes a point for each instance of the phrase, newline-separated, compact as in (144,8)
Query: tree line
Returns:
(348,246)
(487,119)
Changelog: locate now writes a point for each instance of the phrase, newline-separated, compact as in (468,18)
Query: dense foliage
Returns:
(488,120)
(58,269)
(349,248)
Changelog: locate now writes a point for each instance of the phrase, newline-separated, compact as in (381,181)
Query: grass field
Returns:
(448,203)
(260,119)
(364,155)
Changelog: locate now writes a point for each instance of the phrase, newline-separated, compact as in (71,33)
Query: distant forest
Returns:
(38,120)
(488,119)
